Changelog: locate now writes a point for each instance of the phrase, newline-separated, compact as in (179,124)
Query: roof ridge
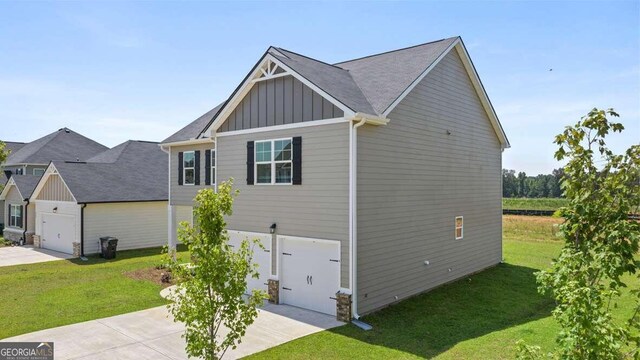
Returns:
(310,58)
(392,51)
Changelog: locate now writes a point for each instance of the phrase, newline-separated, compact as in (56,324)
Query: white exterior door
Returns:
(58,232)
(310,273)
(262,257)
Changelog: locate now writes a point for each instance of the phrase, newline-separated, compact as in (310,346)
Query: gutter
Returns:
(82,229)
(26,220)
(186,142)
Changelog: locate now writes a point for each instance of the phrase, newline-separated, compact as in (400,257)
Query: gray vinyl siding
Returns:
(13,198)
(319,208)
(184,194)
(283,100)
(414,179)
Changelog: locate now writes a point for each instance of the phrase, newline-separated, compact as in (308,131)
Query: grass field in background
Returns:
(479,317)
(533,204)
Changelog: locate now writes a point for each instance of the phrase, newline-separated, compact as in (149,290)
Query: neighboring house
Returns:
(19,216)
(121,192)
(34,157)
(367,181)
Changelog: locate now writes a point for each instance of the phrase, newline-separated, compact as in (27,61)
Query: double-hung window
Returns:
(189,167)
(459,227)
(274,161)
(15,215)
(38,171)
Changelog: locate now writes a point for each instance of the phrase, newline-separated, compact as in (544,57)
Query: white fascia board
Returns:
(51,170)
(283,127)
(187,142)
(370,119)
(248,84)
(5,191)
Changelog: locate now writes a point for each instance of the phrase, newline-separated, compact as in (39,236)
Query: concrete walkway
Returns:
(152,334)
(19,255)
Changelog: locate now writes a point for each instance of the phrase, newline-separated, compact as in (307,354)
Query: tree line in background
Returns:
(523,186)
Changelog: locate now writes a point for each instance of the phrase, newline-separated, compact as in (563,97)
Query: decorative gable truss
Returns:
(273,94)
(52,187)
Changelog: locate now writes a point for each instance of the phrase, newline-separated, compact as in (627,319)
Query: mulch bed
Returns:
(150,274)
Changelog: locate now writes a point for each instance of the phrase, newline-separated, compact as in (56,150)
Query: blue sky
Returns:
(120,70)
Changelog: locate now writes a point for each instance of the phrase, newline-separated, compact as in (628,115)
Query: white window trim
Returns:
(13,215)
(184,169)
(212,168)
(273,162)
(40,169)
(461,227)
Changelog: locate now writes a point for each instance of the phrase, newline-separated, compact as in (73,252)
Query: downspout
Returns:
(353,152)
(82,229)
(26,221)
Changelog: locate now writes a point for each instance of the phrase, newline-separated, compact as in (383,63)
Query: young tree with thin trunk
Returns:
(601,245)
(210,297)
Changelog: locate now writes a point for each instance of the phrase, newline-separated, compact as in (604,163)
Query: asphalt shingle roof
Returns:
(368,85)
(26,184)
(62,145)
(194,128)
(132,171)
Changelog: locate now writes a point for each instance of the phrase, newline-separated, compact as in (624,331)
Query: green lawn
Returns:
(533,204)
(45,295)
(481,317)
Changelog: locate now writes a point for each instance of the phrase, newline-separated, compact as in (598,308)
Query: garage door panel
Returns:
(262,257)
(58,232)
(310,273)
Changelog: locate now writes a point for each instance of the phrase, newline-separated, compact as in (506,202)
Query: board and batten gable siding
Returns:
(136,224)
(318,208)
(414,179)
(184,194)
(279,101)
(54,189)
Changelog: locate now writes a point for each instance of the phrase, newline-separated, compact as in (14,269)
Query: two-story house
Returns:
(367,181)
(25,164)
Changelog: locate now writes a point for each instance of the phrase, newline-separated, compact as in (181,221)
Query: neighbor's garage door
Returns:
(310,273)
(58,232)
(262,257)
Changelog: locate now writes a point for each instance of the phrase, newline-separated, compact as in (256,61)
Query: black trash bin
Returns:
(108,245)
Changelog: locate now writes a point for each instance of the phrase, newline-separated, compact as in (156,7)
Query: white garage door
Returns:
(310,273)
(262,257)
(58,232)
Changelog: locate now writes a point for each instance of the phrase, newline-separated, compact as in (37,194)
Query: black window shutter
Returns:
(9,211)
(250,162)
(297,161)
(197,172)
(180,167)
(207,167)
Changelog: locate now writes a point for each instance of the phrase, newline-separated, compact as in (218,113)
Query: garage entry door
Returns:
(262,257)
(310,273)
(58,232)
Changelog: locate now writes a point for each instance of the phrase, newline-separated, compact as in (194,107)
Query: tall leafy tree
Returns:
(4,153)
(601,244)
(210,298)
(523,187)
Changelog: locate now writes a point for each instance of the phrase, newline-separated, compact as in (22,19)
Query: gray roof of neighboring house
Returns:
(368,85)
(26,184)
(194,128)
(132,171)
(61,145)
(13,146)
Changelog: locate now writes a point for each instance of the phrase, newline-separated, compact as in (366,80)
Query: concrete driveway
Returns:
(152,334)
(19,255)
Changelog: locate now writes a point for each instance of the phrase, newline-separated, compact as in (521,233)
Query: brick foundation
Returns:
(29,239)
(343,307)
(274,291)
(76,249)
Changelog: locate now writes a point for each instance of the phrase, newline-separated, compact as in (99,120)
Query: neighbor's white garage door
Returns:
(58,232)
(262,257)
(310,273)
